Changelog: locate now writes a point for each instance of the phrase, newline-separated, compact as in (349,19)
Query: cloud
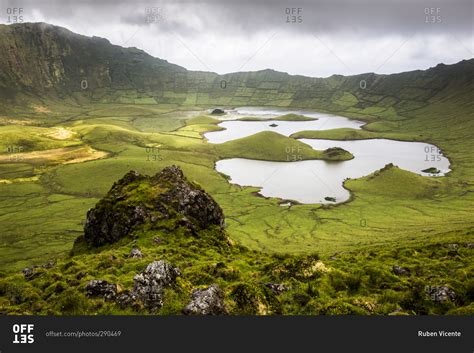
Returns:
(306,37)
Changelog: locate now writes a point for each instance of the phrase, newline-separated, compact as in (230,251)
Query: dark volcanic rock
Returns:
(208,301)
(28,272)
(217,111)
(126,299)
(102,289)
(440,294)
(195,204)
(400,271)
(36,270)
(137,199)
(150,284)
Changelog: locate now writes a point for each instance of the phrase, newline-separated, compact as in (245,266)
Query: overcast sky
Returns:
(330,37)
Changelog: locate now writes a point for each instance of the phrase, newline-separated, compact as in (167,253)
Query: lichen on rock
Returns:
(149,285)
(207,301)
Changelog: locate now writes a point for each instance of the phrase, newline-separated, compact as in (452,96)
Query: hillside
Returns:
(83,122)
(150,247)
(44,61)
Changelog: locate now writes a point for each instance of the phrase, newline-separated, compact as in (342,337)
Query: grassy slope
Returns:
(254,222)
(394,218)
(351,134)
(360,282)
(270,146)
(286,117)
(433,106)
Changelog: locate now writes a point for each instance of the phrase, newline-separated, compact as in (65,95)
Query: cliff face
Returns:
(49,61)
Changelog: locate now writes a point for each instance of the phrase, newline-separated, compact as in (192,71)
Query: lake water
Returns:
(237,129)
(311,181)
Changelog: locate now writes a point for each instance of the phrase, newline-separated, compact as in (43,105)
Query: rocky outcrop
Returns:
(148,289)
(440,294)
(217,111)
(197,206)
(137,199)
(208,301)
(102,289)
(150,284)
(36,270)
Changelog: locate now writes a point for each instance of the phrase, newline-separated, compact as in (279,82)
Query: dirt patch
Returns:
(91,155)
(67,155)
(19,180)
(41,109)
(61,133)
(5,120)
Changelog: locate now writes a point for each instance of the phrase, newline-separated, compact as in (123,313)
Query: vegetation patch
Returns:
(271,146)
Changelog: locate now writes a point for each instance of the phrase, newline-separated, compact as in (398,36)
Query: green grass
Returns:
(202,119)
(252,221)
(286,117)
(389,211)
(351,134)
(393,216)
(271,146)
(358,282)
(18,139)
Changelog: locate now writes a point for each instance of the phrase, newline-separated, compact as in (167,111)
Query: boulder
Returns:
(440,294)
(197,206)
(126,299)
(136,254)
(208,301)
(136,200)
(217,111)
(149,285)
(400,271)
(102,289)
(28,272)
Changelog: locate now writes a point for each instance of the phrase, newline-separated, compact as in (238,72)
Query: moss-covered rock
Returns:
(137,200)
